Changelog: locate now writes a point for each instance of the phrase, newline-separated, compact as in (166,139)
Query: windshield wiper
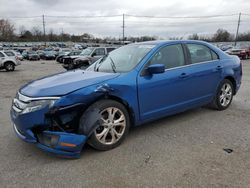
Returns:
(99,64)
(112,64)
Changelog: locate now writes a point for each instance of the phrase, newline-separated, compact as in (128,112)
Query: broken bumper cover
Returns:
(59,143)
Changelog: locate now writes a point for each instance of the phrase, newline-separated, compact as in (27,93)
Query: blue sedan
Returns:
(132,85)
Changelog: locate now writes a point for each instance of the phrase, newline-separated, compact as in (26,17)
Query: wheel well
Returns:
(9,62)
(232,80)
(130,110)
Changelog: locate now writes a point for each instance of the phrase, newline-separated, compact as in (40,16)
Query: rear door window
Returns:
(200,53)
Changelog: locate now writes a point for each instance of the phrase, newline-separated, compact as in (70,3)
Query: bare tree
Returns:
(37,33)
(6,30)
(22,30)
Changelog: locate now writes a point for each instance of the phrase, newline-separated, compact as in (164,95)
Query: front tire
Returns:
(114,125)
(224,95)
(9,66)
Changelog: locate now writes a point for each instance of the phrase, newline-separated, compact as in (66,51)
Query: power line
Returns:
(121,15)
(92,16)
(21,17)
(182,17)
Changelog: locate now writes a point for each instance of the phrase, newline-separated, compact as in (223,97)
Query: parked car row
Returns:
(241,50)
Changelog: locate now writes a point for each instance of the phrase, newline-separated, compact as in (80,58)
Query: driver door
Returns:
(168,92)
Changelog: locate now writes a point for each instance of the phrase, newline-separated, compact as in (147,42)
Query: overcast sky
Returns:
(134,26)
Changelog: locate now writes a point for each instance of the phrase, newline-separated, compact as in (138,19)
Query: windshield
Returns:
(86,52)
(122,59)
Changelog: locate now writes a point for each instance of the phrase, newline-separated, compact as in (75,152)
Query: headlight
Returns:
(37,105)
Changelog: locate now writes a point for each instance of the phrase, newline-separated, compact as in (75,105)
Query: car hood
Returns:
(63,83)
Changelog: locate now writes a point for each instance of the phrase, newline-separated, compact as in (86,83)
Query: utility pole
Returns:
(44,31)
(237,31)
(62,35)
(123,28)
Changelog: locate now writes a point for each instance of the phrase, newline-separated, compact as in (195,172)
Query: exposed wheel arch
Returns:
(8,62)
(126,104)
(232,80)
(123,102)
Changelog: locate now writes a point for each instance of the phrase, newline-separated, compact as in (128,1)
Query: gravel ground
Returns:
(184,150)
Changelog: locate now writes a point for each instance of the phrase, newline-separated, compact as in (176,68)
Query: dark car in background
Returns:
(241,50)
(41,53)
(30,55)
(49,55)
(25,54)
(87,57)
(69,56)
(61,54)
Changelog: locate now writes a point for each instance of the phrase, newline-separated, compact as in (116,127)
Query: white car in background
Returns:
(8,60)
(14,53)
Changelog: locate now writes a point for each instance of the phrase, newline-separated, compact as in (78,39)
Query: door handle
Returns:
(219,67)
(183,75)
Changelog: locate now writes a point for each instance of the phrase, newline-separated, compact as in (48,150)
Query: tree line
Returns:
(8,33)
(221,35)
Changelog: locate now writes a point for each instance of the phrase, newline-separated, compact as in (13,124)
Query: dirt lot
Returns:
(185,150)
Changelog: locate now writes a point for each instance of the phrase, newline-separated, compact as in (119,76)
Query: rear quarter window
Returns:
(214,55)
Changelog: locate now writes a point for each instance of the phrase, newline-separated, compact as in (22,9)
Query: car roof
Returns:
(161,42)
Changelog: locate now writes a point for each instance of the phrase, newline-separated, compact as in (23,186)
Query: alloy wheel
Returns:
(226,94)
(112,127)
(9,67)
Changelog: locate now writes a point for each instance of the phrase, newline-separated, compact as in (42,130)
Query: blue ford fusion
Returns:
(132,85)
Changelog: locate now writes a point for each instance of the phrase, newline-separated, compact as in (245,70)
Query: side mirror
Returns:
(94,54)
(156,69)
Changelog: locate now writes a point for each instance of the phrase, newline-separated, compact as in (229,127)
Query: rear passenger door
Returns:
(205,69)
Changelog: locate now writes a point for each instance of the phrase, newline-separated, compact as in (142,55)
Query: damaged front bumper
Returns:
(59,143)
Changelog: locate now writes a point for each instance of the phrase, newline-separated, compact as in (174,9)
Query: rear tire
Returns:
(224,95)
(9,66)
(114,127)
